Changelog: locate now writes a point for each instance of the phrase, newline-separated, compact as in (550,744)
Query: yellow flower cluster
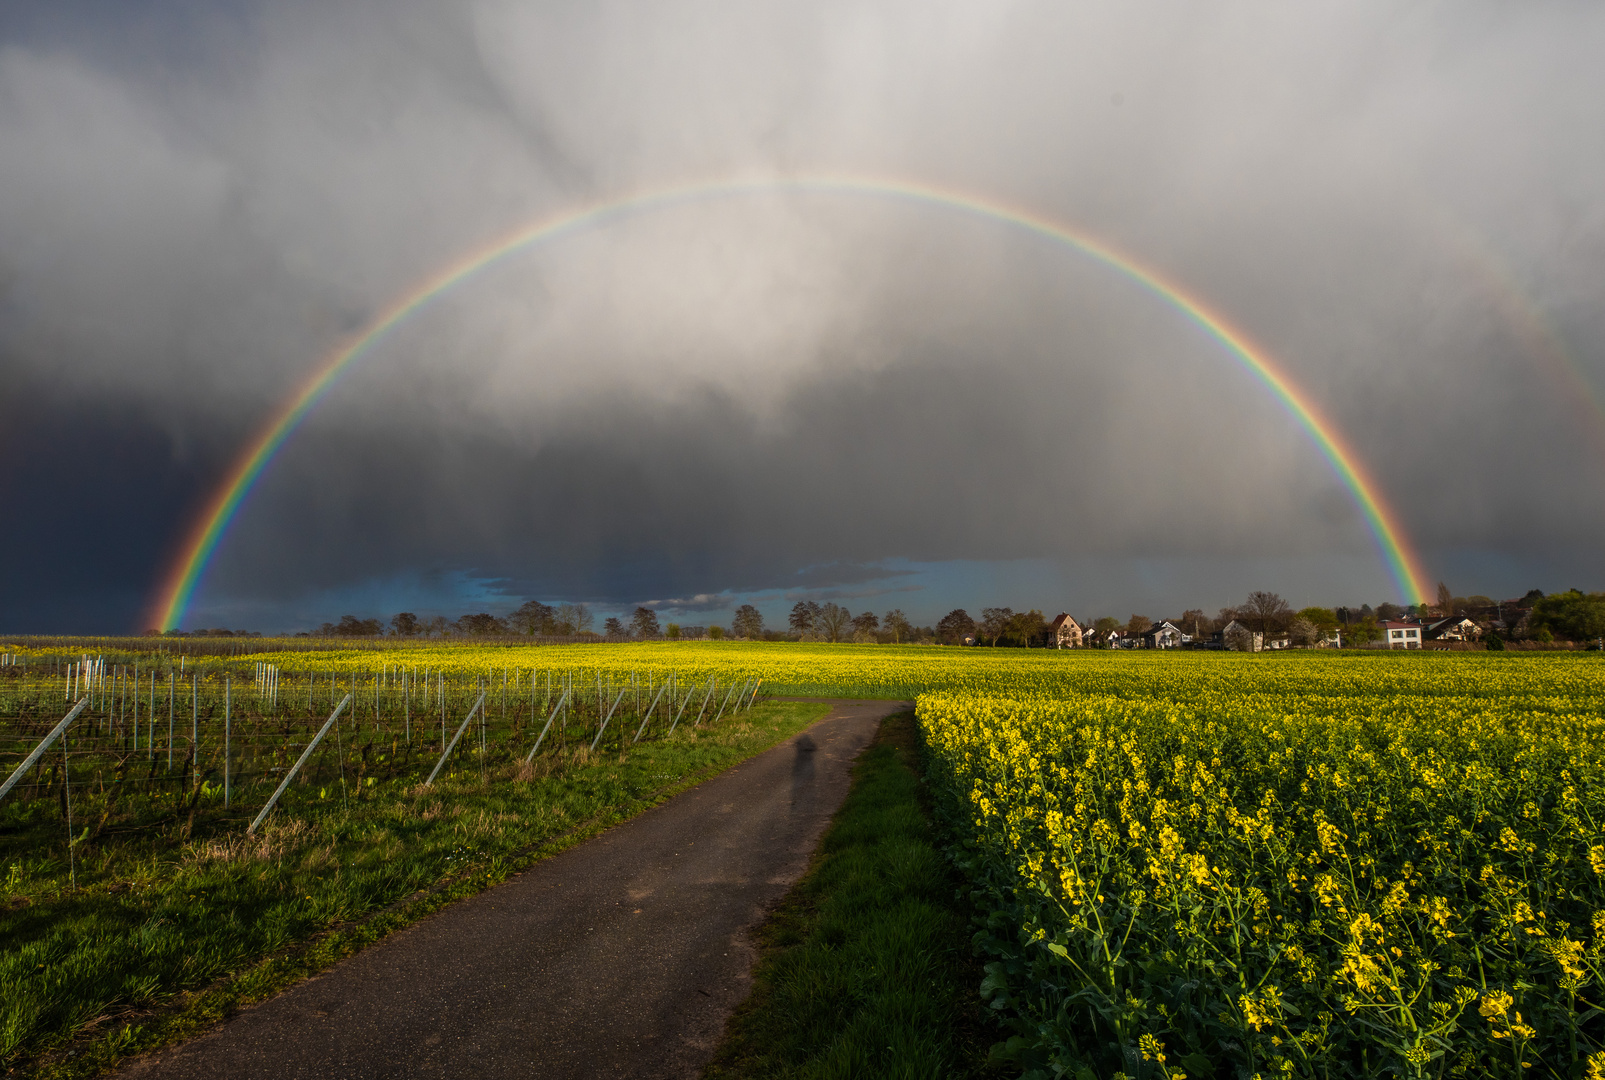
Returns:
(1328,865)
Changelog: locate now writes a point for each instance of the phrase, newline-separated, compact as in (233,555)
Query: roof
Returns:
(1399,624)
(1061,620)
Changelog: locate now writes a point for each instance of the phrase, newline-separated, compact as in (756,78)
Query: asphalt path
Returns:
(621,957)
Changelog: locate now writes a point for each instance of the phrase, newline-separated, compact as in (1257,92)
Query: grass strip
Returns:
(865,969)
(217,923)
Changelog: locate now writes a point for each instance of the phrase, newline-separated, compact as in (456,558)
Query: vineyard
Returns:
(1312,869)
(1315,864)
(200,812)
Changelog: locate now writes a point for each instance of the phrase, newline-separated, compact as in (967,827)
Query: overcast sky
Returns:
(794,394)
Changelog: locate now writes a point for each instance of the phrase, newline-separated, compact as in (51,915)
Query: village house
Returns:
(1454,628)
(1065,632)
(1399,634)
(1228,637)
(1163,635)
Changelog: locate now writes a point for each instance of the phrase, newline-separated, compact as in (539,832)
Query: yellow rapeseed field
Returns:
(1325,865)
(1318,864)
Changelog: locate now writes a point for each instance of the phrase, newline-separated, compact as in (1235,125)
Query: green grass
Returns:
(170,928)
(865,968)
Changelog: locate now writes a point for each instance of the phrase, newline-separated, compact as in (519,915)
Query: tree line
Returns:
(1569,616)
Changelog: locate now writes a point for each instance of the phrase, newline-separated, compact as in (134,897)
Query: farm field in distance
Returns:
(1313,864)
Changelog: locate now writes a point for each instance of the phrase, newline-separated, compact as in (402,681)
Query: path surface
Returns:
(622,957)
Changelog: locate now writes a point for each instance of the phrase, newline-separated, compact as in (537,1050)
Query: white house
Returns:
(1397,634)
(1163,635)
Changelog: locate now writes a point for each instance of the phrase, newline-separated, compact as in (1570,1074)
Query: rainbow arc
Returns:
(188,569)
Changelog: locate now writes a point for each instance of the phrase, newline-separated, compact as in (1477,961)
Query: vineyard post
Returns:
(461,728)
(228,704)
(406,698)
(289,776)
(66,799)
(44,744)
(712,684)
(648,715)
(171,685)
(549,720)
(725,704)
(622,691)
(683,703)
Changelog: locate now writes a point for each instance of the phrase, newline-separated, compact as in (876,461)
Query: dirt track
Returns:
(622,957)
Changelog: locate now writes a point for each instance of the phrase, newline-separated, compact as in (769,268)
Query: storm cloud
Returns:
(795,392)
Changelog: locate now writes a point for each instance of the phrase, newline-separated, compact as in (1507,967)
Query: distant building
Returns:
(1399,634)
(1454,628)
(1235,632)
(1065,632)
(1163,635)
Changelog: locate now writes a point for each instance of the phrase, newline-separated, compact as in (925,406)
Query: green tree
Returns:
(955,626)
(1027,629)
(1572,615)
(405,624)
(1364,632)
(1323,619)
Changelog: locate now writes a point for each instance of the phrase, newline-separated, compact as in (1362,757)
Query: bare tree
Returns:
(897,624)
(572,619)
(747,623)
(483,624)
(613,627)
(1267,609)
(405,624)
(1193,621)
(351,626)
(995,621)
(533,617)
(1138,625)
(833,622)
(865,625)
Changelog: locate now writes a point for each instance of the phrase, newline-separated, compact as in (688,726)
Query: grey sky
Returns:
(798,393)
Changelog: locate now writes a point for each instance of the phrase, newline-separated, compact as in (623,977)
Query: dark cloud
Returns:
(793,394)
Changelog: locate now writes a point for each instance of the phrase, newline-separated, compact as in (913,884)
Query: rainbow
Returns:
(187,570)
